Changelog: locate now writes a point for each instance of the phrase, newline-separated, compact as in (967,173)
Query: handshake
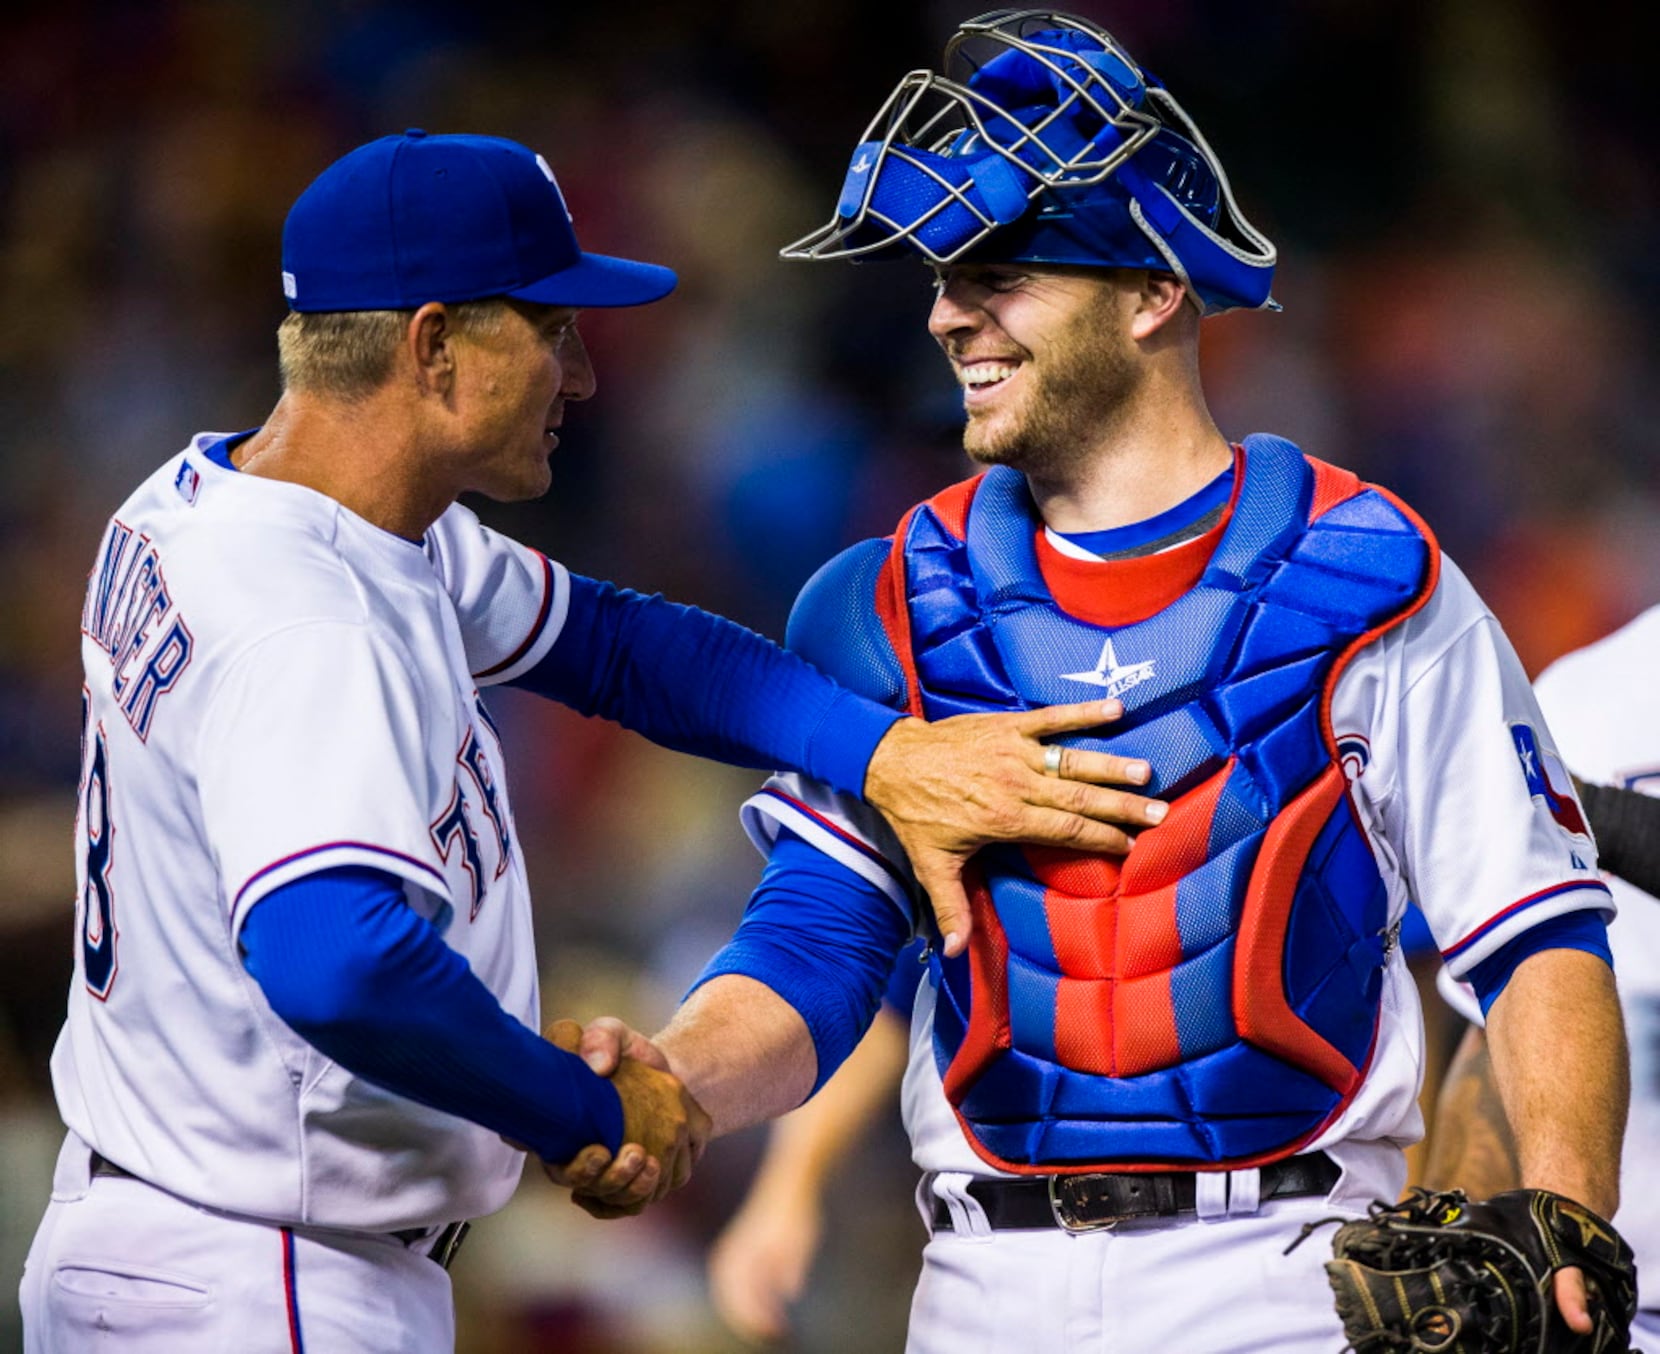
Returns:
(664,1129)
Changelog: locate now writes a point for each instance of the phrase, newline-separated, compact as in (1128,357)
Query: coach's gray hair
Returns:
(348,353)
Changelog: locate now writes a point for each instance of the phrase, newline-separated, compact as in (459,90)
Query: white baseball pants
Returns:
(1200,1286)
(119,1265)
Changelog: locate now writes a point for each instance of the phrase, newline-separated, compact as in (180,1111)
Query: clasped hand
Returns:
(664,1128)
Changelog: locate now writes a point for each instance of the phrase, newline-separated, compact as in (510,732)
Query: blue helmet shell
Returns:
(1055,148)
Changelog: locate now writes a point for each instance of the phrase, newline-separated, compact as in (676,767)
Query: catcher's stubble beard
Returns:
(1075,391)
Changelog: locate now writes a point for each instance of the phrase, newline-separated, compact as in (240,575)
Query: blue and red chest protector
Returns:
(1213,998)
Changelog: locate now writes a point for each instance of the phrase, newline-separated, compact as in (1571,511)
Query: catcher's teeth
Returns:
(979,374)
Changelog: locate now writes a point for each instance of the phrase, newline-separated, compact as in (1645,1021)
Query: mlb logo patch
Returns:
(188,482)
(1548,779)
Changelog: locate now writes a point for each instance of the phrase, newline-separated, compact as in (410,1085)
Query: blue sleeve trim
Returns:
(1532,900)
(845,740)
(698,683)
(824,939)
(357,974)
(1584,930)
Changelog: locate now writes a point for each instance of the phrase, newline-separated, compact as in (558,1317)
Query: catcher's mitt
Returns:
(1441,1274)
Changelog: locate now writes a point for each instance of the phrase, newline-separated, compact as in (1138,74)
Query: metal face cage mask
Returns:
(1039,109)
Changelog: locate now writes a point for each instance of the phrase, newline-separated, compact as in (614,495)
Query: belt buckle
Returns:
(1067,1193)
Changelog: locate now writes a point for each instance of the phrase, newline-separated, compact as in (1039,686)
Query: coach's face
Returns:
(512,384)
(1043,355)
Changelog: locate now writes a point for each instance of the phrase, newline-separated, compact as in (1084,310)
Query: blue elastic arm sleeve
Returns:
(1583,930)
(357,974)
(697,683)
(823,939)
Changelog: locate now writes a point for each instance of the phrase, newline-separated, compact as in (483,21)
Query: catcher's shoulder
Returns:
(836,623)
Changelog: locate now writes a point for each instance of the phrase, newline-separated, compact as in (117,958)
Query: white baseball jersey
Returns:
(275,687)
(1445,748)
(1604,707)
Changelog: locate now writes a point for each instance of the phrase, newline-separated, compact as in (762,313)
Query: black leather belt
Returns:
(1095,1202)
(104,1166)
(442,1251)
(444,1245)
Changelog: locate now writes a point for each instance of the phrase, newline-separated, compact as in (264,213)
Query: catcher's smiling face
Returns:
(1043,354)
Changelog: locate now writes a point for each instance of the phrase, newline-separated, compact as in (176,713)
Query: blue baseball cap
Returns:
(415,218)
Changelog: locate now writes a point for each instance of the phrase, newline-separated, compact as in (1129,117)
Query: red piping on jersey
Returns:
(290,1293)
(535,629)
(1454,950)
(865,850)
(259,874)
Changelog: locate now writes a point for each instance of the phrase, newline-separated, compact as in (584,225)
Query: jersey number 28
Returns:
(97,899)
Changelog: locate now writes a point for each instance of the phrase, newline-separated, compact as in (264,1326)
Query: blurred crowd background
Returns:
(1467,205)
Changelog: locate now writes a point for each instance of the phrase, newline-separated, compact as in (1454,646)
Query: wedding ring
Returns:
(1052,760)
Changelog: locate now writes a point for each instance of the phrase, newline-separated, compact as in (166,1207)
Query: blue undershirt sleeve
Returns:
(824,939)
(356,973)
(1582,930)
(698,683)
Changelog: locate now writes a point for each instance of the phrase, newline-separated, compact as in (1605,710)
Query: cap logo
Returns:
(547,170)
(289,288)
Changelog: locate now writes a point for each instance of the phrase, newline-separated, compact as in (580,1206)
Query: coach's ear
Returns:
(429,345)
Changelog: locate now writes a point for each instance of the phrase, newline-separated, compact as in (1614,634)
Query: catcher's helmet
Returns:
(1044,142)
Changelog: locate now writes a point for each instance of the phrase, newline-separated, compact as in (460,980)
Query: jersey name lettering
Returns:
(130,615)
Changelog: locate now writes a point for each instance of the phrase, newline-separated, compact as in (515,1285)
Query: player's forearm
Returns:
(1470,1144)
(1561,1067)
(820,941)
(743,1052)
(353,971)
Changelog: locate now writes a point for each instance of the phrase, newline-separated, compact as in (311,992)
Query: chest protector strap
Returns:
(1212,999)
